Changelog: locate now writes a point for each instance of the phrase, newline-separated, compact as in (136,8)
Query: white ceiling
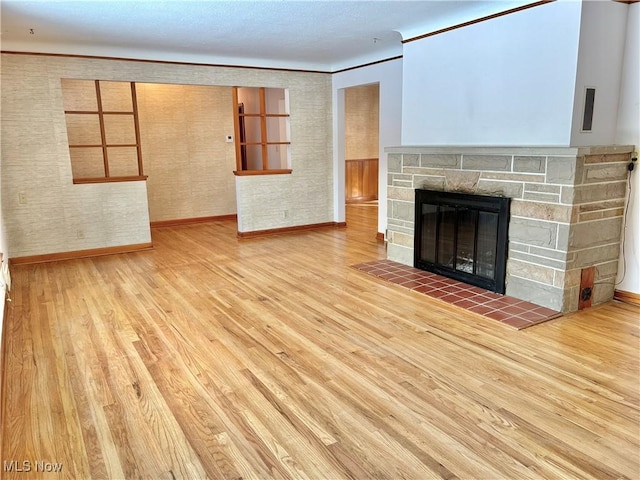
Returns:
(309,35)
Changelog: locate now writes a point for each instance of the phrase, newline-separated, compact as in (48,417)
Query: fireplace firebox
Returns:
(462,236)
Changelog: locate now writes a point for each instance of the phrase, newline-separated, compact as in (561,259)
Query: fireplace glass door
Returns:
(463,237)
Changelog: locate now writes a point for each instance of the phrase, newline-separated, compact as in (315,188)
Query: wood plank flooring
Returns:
(212,357)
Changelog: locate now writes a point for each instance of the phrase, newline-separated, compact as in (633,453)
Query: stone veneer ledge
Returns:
(566,212)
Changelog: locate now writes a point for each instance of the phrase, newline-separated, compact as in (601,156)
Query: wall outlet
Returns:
(22,198)
(79,234)
(285,214)
(229,138)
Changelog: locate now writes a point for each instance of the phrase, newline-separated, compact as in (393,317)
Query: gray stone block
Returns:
(607,270)
(533,232)
(538,293)
(403,239)
(399,226)
(564,233)
(608,172)
(400,254)
(542,188)
(541,211)
(498,188)
(394,163)
(423,171)
(428,182)
(400,193)
(499,163)
(518,247)
(545,261)
(586,217)
(436,160)
(549,253)
(606,205)
(541,197)
(513,177)
(596,233)
(564,170)
(401,176)
(403,210)
(567,279)
(603,292)
(403,183)
(606,155)
(410,160)
(529,164)
(459,181)
(570,300)
(538,273)
(594,193)
(595,255)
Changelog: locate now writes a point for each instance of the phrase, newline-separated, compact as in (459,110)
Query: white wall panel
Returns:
(505,81)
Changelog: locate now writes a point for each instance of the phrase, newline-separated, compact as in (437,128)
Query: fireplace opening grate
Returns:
(462,236)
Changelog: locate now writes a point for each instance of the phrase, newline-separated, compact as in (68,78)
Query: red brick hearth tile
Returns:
(367,267)
(465,303)
(514,310)
(507,310)
(412,284)
(453,289)
(451,298)
(418,276)
(512,301)
(474,289)
(389,275)
(516,322)
(425,289)
(435,293)
(547,312)
(499,315)
(480,309)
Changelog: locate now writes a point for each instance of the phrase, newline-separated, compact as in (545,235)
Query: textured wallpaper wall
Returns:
(46,213)
(190,165)
(361,118)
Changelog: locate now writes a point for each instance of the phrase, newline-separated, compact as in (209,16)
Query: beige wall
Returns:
(190,165)
(55,215)
(361,121)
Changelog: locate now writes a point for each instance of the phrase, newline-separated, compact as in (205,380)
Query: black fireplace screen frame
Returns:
(457,205)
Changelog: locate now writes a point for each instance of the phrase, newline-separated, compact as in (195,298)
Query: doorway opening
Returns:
(361,127)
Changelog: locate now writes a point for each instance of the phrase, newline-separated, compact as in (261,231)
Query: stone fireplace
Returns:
(566,214)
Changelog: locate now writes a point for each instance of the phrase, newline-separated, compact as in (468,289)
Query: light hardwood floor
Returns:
(210,357)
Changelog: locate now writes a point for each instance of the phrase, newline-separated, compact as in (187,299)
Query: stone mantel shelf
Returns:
(510,150)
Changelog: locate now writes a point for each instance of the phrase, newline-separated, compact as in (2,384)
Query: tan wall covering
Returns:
(55,212)
(189,164)
(361,121)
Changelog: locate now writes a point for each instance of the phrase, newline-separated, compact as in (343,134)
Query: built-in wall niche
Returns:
(262,129)
(103,130)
